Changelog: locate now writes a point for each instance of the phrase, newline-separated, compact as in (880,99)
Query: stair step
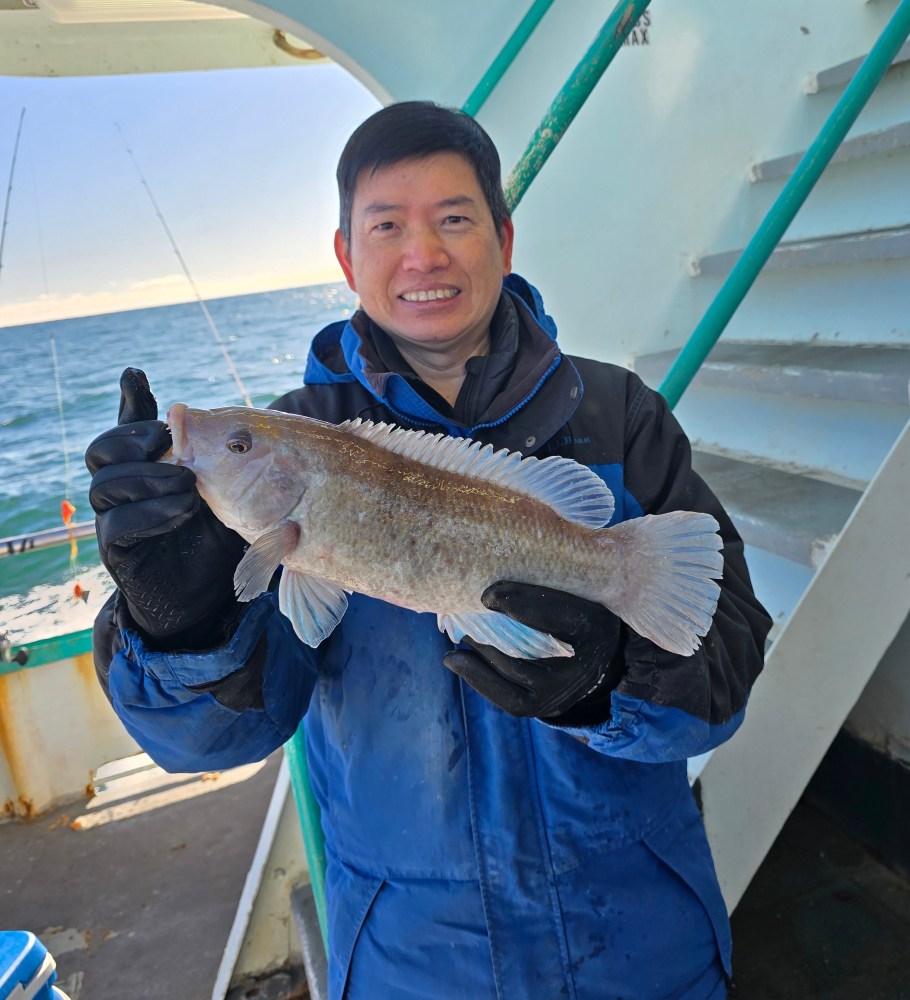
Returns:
(779,583)
(785,513)
(877,143)
(844,72)
(865,374)
(841,304)
(840,248)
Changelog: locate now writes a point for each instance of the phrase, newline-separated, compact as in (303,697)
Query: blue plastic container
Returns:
(27,970)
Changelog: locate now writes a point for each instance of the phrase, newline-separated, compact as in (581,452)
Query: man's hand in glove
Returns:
(169,555)
(562,690)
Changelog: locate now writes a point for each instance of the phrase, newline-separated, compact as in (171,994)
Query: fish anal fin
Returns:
(492,628)
(255,570)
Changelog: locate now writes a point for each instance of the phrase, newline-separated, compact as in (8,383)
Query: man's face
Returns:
(424,255)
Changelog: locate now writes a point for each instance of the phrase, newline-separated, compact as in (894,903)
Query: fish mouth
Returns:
(176,421)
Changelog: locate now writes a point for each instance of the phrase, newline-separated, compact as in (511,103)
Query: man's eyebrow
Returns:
(457,201)
(381,207)
(378,207)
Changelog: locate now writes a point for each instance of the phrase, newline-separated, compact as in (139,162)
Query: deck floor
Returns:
(134,894)
(822,920)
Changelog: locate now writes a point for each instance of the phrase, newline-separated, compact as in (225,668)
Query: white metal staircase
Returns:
(798,420)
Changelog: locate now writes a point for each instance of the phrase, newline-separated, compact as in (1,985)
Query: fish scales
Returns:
(427,538)
(429,522)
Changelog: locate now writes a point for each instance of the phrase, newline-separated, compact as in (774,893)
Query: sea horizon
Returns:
(188,300)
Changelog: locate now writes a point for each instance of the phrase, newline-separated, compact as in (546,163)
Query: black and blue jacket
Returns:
(470,853)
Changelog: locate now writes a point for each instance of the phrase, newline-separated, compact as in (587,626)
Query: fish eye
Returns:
(240,442)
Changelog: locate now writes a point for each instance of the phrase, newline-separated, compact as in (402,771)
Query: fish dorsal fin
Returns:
(572,490)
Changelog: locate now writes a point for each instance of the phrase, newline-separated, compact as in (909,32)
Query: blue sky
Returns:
(241,163)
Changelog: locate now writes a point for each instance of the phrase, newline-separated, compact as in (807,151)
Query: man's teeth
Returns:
(433,293)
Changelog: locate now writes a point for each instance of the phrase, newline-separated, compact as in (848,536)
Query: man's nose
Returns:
(425,250)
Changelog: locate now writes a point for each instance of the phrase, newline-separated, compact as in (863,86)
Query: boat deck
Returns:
(134,893)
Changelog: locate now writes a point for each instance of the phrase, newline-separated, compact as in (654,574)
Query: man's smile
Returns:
(430,294)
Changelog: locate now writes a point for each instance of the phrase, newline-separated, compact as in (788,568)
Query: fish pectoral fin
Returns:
(492,628)
(255,570)
(314,606)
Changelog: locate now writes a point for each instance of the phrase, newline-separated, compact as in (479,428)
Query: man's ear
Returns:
(506,241)
(343,253)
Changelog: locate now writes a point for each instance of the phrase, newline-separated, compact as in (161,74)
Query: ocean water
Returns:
(267,335)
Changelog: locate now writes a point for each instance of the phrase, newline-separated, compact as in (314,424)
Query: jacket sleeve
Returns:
(669,707)
(200,711)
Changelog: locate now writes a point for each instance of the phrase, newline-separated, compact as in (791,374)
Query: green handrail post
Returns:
(569,100)
(788,203)
(310,824)
(506,57)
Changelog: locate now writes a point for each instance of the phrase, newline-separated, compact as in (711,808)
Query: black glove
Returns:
(562,690)
(170,556)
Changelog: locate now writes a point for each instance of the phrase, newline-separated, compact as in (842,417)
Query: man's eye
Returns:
(240,443)
(454,220)
(383,227)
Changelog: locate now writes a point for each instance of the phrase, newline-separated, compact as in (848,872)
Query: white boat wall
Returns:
(798,418)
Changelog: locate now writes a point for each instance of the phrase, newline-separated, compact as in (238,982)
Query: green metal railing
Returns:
(506,56)
(569,100)
(58,647)
(788,203)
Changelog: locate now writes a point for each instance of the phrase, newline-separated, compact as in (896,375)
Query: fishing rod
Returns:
(208,318)
(9,188)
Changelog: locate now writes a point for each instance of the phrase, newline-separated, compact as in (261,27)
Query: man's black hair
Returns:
(413,130)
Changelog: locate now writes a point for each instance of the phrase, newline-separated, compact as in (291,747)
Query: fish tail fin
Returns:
(668,565)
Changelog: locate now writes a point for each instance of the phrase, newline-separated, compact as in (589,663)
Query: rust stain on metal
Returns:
(15,750)
(10,750)
(85,670)
(624,20)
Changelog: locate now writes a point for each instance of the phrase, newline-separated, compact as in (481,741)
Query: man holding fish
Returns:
(503,786)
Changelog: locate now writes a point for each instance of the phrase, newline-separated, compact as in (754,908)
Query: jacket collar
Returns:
(337,355)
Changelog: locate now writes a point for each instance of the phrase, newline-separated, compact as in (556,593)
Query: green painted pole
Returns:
(310,824)
(788,203)
(506,56)
(573,95)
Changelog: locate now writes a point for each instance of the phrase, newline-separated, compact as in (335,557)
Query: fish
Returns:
(427,522)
